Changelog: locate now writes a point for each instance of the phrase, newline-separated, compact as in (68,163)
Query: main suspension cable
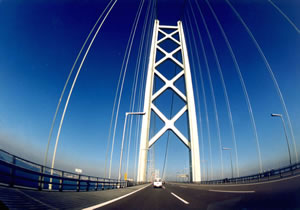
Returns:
(116,98)
(212,88)
(240,77)
(74,81)
(147,52)
(134,87)
(123,80)
(271,75)
(285,16)
(66,83)
(197,89)
(202,86)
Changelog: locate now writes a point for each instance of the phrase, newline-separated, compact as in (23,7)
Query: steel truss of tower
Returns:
(189,107)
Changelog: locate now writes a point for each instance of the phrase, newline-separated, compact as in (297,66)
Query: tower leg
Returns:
(144,143)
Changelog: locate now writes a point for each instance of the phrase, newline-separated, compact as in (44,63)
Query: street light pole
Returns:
(124,128)
(227,148)
(286,137)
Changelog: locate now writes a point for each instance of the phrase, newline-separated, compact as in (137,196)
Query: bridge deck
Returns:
(276,194)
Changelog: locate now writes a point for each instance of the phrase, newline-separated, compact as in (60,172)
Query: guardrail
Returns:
(16,171)
(273,174)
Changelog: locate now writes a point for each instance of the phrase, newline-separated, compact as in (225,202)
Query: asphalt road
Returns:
(17,198)
(279,194)
(284,194)
(149,198)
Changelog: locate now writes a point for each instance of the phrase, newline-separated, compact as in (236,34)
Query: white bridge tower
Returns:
(189,107)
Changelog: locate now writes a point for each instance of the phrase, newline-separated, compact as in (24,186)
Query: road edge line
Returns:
(245,184)
(114,200)
(176,196)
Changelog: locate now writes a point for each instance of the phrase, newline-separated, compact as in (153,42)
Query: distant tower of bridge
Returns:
(169,33)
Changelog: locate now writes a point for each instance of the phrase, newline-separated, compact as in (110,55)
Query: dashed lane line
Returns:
(176,196)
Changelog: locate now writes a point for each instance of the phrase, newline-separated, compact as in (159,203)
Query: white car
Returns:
(157,182)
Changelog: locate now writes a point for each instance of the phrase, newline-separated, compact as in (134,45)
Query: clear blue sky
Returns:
(39,42)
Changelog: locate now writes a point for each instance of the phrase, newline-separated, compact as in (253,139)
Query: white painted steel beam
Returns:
(169,84)
(193,130)
(169,124)
(168,27)
(168,36)
(142,166)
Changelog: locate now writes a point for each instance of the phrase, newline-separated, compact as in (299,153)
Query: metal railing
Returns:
(269,175)
(16,171)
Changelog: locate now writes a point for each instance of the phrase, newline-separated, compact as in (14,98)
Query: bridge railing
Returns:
(16,171)
(273,174)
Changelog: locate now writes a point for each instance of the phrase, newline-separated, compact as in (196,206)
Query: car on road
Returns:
(157,183)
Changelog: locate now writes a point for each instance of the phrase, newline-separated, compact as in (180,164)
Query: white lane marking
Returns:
(113,200)
(184,201)
(232,191)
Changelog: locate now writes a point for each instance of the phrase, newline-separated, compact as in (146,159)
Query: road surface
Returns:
(283,194)
(279,194)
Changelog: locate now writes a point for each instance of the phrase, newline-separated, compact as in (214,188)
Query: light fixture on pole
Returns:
(286,137)
(227,148)
(123,136)
(78,170)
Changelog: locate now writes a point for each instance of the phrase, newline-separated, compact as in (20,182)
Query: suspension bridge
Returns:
(203,94)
